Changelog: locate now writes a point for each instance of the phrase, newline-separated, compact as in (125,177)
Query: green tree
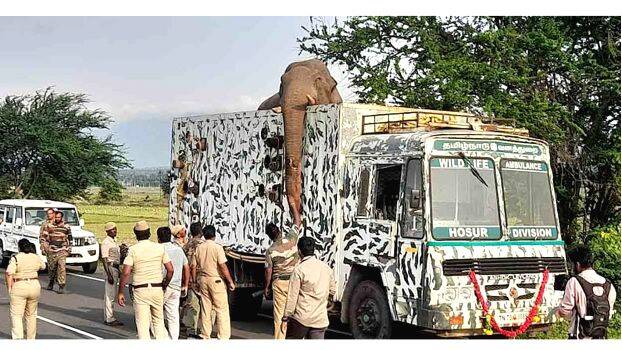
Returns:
(165,183)
(559,77)
(48,147)
(111,191)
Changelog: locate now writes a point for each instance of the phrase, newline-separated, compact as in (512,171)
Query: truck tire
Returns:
(242,304)
(90,268)
(369,313)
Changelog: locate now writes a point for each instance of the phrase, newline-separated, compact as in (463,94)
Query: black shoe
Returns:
(51,286)
(114,323)
(61,290)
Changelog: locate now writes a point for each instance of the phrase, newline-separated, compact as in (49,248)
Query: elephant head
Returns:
(303,84)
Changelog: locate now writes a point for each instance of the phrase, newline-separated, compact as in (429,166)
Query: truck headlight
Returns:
(90,240)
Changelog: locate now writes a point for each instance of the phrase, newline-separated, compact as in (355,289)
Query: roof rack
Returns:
(424,119)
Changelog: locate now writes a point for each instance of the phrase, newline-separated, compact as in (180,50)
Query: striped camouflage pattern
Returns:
(282,255)
(231,170)
(55,237)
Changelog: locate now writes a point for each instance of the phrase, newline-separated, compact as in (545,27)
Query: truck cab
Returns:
(22,218)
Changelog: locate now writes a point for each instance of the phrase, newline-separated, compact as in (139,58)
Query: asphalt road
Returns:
(78,314)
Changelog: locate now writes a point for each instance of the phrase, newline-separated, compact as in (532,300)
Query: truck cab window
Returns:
(387,191)
(413,201)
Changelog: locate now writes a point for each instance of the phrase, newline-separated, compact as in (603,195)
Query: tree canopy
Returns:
(559,77)
(48,147)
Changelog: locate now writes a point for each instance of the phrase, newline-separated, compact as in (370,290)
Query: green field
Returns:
(138,204)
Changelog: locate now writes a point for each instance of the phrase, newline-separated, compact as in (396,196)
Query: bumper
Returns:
(83,255)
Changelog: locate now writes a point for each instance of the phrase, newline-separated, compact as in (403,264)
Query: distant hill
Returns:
(143,177)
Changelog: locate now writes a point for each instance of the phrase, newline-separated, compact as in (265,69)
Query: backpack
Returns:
(597,306)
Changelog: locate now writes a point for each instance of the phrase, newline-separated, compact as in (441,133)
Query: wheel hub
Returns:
(367,317)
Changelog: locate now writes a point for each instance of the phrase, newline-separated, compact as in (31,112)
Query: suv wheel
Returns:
(90,268)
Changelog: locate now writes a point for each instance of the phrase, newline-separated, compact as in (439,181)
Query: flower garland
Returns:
(491,323)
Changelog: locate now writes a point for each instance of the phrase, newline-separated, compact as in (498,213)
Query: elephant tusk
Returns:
(276,109)
(312,101)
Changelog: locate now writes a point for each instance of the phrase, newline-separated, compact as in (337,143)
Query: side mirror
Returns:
(415,199)
(18,222)
(81,222)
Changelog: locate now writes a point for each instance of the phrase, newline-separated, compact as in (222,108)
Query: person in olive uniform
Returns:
(281,258)
(24,289)
(56,240)
(145,260)
(209,269)
(191,307)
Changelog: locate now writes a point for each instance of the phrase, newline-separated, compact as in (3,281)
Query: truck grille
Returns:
(78,242)
(502,266)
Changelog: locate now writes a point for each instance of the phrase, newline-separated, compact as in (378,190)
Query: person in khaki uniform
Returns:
(55,239)
(110,256)
(310,288)
(208,269)
(180,234)
(24,289)
(145,260)
(281,258)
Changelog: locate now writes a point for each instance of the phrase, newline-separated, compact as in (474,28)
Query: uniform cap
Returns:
(110,225)
(176,229)
(142,225)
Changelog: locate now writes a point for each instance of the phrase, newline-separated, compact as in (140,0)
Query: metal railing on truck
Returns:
(424,119)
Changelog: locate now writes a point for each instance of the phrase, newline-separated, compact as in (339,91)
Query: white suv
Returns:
(22,218)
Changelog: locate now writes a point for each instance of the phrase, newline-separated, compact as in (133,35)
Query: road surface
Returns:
(78,314)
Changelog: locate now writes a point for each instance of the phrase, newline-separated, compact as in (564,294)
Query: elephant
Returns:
(303,84)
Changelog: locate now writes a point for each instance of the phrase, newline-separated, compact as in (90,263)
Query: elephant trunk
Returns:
(293,123)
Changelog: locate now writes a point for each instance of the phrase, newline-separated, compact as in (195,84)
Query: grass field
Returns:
(137,204)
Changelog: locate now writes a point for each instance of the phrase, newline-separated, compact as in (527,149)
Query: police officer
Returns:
(191,307)
(24,289)
(145,260)
(179,232)
(281,258)
(209,268)
(48,221)
(55,241)
(110,256)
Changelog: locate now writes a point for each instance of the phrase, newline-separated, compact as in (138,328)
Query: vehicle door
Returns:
(411,238)
(8,229)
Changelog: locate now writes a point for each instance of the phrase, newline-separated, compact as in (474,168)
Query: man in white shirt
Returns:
(574,305)
(178,286)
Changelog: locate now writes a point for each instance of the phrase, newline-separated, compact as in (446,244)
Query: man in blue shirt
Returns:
(178,286)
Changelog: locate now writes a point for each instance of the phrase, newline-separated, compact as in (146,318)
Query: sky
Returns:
(143,71)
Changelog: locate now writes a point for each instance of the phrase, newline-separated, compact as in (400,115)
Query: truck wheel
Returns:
(90,268)
(3,259)
(369,313)
(242,304)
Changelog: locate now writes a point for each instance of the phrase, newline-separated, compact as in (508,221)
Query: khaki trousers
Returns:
(279,297)
(24,297)
(148,310)
(190,312)
(56,267)
(110,294)
(213,294)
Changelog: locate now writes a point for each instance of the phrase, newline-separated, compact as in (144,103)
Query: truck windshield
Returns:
(36,216)
(528,200)
(464,207)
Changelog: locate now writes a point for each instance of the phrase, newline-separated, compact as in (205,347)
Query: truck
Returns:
(22,218)
(405,205)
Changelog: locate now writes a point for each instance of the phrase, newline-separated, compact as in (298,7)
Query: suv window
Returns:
(9,215)
(413,217)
